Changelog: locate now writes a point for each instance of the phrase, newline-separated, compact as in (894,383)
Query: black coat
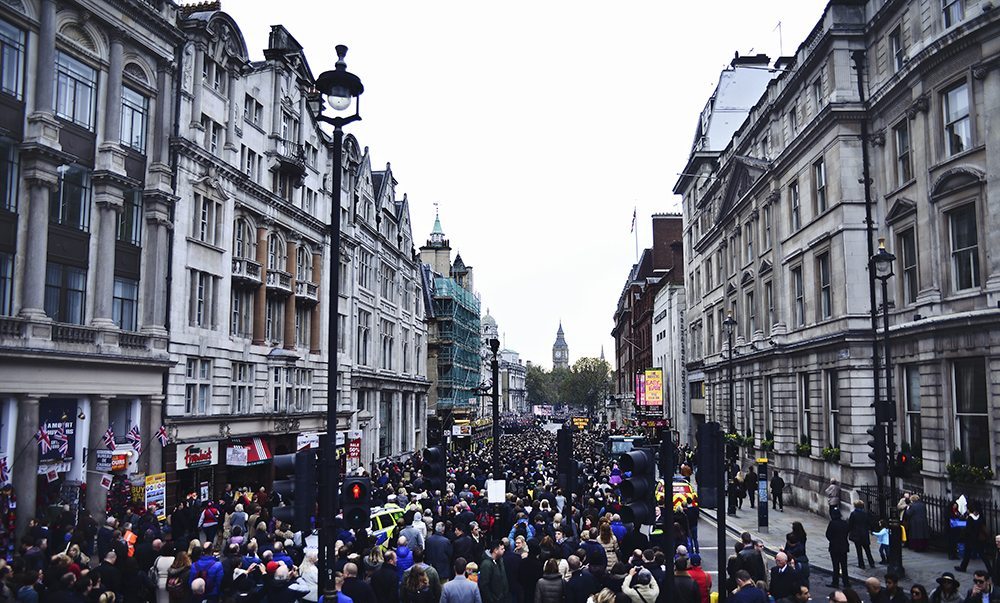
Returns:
(785,583)
(438,554)
(385,583)
(465,548)
(859,526)
(580,586)
(685,590)
(550,588)
(836,533)
(358,590)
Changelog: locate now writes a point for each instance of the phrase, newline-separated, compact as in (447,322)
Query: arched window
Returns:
(276,252)
(303,264)
(244,241)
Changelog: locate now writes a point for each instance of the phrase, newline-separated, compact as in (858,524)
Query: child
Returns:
(882,535)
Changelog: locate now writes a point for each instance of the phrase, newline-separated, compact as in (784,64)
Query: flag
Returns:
(62,439)
(135,438)
(4,472)
(162,435)
(109,438)
(633,220)
(44,441)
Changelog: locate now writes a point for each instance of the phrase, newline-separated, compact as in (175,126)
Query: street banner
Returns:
(640,389)
(654,387)
(57,419)
(156,493)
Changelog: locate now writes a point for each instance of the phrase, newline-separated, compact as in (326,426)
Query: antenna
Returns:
(781,46)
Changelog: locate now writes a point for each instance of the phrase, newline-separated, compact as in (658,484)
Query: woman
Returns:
(177,578)
(309,575)
(416,588)
(607,540)
(947,590)
(77,556)
(550,587)
(162,565)
(918,529)
(918,594)
(741,489)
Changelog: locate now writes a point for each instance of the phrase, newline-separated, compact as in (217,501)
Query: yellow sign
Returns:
(581,422)
(156,493)
(654,387)
(762,460)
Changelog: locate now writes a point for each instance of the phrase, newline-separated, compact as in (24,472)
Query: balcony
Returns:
(291,157)
(307,292)
(73,333)
(246,271)
(279,282)
(25,335)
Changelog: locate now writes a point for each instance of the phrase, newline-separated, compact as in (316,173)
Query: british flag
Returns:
(62,440)
(4,472)
(134,438)
(44,441)
(109,438)
(162,435)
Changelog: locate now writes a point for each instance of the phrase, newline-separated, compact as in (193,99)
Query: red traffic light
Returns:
(356,491)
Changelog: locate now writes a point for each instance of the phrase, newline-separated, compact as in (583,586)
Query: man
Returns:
(777,491)
(894,594)
(982,589)
(461,589)
(111,576)
(204,565)
(974,533)
(833,495)
(839,547)
(700,577)
(876,594)
(438,551)
(404,557)
(639,586)
(581,583)
(463,545)
(752,559)
(385,580)
(785,579)
(747,591)
(801,596)
(859,532)
(358,590)
(686,590)
(492,576)
(750,483)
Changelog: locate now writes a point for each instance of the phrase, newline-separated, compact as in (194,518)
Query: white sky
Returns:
(537,126)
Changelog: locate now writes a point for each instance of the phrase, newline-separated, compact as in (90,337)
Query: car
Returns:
(683,492)
(383,521)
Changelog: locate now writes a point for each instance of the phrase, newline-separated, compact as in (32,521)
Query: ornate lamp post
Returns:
(730,326)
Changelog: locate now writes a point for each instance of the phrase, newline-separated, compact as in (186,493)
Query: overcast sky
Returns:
(536,126)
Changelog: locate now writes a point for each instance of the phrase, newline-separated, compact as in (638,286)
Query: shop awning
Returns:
(257,452)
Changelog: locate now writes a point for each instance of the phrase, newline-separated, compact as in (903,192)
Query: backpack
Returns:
(176,586)
(485,521)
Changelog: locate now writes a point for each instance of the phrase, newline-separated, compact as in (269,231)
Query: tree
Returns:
(536,382)
(588,383)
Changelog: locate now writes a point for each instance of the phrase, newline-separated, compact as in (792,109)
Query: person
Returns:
(876,594)
(836,535)
(640,587)
(609,542)
(785,579)
(404,557)
(177,585)
(918,593)
(893,592)
(777,491)
(686,589)
(982,590)
(833,495)
(882,538)
(859,532)
(162,564)
(801,595)
(357,589)
(746,590)
(701,578)
(492,575)
(460,589)
(918,529)
(416,587)
(550,587)
(208,568)
(309,575)
(973,537)
(438,552)
(750,483)
(752,558)
(581,584)
(947,590)
(385,580)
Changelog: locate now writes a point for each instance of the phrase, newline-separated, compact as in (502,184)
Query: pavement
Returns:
(921,568)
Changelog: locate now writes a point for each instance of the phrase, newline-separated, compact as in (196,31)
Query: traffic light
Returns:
(576,478)
(564,458)
(434,468)
(904,464)
(639,490)
(879,454)
(295,482)
(884,411)
(709,464)
(356,502)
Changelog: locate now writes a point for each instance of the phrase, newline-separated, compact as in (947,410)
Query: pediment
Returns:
(901,208)
(765,267)
(747,277)
(957,178)
(730,288)
(744,174)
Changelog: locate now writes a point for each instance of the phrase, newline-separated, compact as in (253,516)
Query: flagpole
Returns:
(635,229)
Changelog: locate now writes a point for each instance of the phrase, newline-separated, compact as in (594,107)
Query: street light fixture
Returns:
(730,326)
(341,89)
(882,263)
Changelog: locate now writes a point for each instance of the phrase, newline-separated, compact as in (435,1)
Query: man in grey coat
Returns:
(461,589)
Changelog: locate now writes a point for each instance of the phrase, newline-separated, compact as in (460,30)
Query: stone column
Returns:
(113,96)
(164,108)
(260,297)
(276,104)
(197,85)
(990,76)
(42,125)
(97,497)
(154,292)
(40,184)
(24,465)
(232,113)
(109,203)
(154,456)
(290,266)
(315,345)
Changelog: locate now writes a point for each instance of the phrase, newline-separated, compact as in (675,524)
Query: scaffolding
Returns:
(456,311)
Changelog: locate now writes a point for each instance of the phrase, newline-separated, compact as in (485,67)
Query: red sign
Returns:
(198,456)
(354,449)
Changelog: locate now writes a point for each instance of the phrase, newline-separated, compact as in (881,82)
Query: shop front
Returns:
(248,464)
(195,471)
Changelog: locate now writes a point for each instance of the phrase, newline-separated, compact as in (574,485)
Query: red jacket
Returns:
(703,580)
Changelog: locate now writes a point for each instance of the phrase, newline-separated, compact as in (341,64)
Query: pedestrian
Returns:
(882,537)
(385,580)
(750,483)
(918,529)
(746,590)
(859,527)
(492,575)
(777,492)
(837,536)
(947,590)
(973,537)
(550,587)
(639,586)
(685,588)
(461,589)
(416,587)
(833,495)
(701,578)
(785,579)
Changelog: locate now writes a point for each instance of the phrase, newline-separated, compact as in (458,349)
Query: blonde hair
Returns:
(471,568)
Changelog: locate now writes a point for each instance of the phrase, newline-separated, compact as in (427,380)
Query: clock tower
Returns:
(560,351)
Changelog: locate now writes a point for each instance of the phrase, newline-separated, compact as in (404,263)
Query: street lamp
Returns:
(341,89)
(730,325)
(882,263)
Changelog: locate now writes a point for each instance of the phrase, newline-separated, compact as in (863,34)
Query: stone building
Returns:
(775,234)
(513,389)
(668,339)
(85,217)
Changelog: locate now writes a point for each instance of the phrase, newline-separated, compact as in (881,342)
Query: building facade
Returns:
(669,347)
(775,233)
(513,390)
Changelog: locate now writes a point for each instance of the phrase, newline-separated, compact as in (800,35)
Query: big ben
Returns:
(560,351)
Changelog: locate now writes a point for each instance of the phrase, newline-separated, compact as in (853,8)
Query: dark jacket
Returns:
(550,589)
(992,597)
(385,584)
(785,581)
(836,533)
(749,594)
(358,590)
(753,562)
(493,581)
(859,526)
(580,586)
(686,590)
(462,547)
(438,554)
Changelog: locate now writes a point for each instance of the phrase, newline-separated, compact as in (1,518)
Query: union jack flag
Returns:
(60,438)
(4,472)
(135,438)
(44,441)
(162,435)
(109,438)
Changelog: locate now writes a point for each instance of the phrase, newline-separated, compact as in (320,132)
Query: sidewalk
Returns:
(921,568)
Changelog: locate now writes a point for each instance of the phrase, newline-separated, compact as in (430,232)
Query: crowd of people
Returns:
(541,545)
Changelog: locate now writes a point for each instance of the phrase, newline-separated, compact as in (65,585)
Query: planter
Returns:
(803,449)
(962,473)
(767,445)
(831,455)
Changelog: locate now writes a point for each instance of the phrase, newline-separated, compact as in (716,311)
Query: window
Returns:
(241,390)
(252,110)
(798,293)
(767,227)
(896,52)
(819,184)
(6,284)
(901,136)
(817,94)
(364,268)
(971,411)
(957,123)
(303,325)
(805,409)
(796,215)
(768,307)
(417,341)
(244,240)
(303,264)
(388,284)
(284,186)
(748,242)
(907,245)
(125,303)
(749,411)
(793,121)
(135,113)
(213,133)
(120,418)
(364,336)
(208,216)
(65,293)
(833,408)
(964,247)
(342,332)
(274,320)
(751,314)
(911,399)
(11,60)
(720,322)
(282,389)
(201,311)
(302,402)
(720,267)
(130,219)
(214,74)
(708,275)
(823,275)
(952,11)
(276,253)
(9,173)
(388,332)
(405,340)
(250,161)
(734,255)
(309,201)
(241,314)
(69,204)
(198,389)
(768,406)
(404,421)
(76,90)
(385,423)
(710,329)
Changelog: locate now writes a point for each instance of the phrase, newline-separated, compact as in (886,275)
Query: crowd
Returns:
(541,545)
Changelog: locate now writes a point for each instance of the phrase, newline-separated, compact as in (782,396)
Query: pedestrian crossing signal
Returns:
(355,496)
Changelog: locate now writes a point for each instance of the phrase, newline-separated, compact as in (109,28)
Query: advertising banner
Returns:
(156,493)
(654,387)
(202,454)
(640,389)
(57,421)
